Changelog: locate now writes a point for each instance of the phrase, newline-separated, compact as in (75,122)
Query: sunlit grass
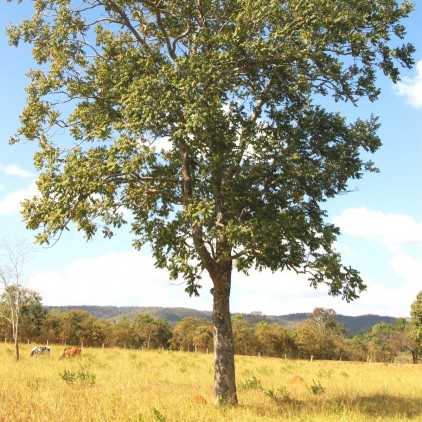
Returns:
(127,385)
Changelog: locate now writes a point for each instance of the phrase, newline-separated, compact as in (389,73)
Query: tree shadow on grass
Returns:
(374,406)
(379,405)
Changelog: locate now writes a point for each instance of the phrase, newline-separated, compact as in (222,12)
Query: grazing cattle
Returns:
(71,352)
(40,350)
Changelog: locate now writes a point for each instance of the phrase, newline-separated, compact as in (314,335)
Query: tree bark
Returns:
(16,338)
(224,372)
(17,356)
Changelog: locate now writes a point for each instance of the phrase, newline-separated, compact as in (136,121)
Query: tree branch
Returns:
(128,24)
(165,35)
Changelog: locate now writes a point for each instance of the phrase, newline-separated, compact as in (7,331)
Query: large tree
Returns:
(201,118)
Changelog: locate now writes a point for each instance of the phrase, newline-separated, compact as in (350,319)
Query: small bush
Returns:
(251,384)
(316,388)
(84,377)
(157,414)
(280,393)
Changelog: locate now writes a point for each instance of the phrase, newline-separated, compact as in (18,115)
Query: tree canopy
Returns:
(230,86)
(198,123)
(416,325)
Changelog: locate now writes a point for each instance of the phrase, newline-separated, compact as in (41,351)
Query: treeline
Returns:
(352,324)
(319,336)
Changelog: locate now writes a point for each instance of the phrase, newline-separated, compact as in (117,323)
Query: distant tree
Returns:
(100,333)
(33,315)
(232,88)
(13,254)
(149,332)
(122,332)
(323,319)
(76,327)
(243,336)
(52,327)
(185,334)
(382,347)
(321,336)
(416,327)
(203,338)
(383,342)
(273,340)
(358,347)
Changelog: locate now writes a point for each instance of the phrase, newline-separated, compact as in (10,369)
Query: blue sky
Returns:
(381,220)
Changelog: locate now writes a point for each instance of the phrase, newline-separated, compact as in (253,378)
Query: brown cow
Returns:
(71,352)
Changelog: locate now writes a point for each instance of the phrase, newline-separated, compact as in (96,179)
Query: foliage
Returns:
(77,326)
(157,415)
(251,384)
(384,343)
(122,332)
(274,340)
(244,336)
(321,336)
(416,328)
(352,324)
(84,377)
(149,332)
(316,388)
(192,334)
(218,88)
(32,315)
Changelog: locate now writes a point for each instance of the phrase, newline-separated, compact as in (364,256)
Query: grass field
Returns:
(127,385)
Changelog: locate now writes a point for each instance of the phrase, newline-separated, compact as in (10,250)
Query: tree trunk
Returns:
(224,372)
(16,339)
(17,348)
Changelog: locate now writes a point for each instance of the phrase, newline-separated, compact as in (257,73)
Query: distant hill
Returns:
(353,324)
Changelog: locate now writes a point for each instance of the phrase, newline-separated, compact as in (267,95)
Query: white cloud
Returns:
(275,293)
(401,236)
(407,269)
(14,170)
(118,279)
(411,88)
(285,293)
(10,204)
(393,230)
(130,279)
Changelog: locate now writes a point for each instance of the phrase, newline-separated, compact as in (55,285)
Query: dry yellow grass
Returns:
(126,385)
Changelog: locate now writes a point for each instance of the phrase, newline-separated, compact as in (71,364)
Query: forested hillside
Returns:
(353,324)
